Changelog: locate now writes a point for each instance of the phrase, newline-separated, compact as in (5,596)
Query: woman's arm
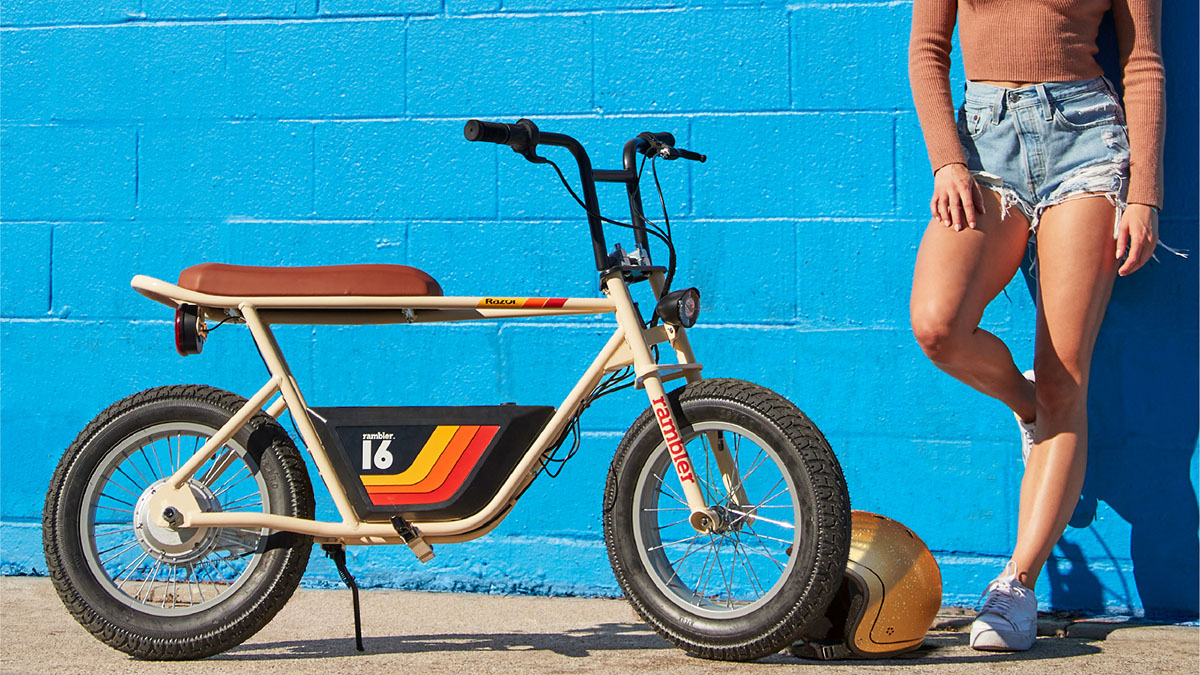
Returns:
(1138,26)
(956,197)
(929,76)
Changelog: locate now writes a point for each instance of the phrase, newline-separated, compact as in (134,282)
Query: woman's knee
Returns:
(1061,389)
(935,333)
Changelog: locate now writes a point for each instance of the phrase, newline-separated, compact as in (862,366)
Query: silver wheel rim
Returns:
(732,573)
(156,571)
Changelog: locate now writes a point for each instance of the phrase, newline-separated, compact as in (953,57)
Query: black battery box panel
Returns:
(426,463)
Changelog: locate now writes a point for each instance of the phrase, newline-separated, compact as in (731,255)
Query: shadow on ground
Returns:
(613,637)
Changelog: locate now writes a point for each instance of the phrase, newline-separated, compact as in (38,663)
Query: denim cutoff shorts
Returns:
(1042,145)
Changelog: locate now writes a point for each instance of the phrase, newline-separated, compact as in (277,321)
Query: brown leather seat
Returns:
(330,280)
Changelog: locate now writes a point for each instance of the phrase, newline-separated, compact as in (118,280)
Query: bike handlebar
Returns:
(524,138)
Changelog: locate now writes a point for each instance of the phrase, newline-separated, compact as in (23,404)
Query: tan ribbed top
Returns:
(1040,41)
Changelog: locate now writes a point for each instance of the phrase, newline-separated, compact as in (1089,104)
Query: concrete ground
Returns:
(460,633)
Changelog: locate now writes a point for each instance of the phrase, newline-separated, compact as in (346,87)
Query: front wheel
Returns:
(774,559)
(161,593)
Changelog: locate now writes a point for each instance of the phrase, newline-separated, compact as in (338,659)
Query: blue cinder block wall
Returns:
(144,136)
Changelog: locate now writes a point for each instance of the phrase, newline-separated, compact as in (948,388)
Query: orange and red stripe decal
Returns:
(523,303)
(446,476)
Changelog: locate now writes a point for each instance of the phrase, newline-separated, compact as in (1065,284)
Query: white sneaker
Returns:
(1008,620)
(1026,429)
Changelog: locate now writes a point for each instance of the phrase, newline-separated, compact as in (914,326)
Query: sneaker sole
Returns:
(995,641)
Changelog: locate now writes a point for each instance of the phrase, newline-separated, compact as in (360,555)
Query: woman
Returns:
(1040,147)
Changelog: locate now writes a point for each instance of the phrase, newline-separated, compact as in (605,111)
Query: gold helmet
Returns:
(888,599)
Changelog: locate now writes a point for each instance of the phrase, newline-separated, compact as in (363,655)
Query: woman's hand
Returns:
(1137,234)
(956,197)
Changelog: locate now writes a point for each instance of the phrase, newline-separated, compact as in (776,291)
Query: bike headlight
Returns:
(680,308)
(190,330)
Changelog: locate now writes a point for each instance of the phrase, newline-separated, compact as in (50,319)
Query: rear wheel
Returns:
(749,586)
(161,593)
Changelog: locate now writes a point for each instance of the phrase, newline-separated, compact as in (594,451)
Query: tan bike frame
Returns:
(629,345)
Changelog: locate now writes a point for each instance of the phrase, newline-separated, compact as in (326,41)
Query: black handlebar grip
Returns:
(665,137)
(487,132)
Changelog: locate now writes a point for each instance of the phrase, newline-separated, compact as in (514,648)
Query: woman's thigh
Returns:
(1076,268)
(959,272)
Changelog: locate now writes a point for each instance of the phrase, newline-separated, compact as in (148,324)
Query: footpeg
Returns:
(412,536)
(338,553)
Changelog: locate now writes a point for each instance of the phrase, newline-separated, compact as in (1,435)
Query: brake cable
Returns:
(652,227)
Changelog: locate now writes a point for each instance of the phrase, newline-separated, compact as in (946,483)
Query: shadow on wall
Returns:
(1144,396)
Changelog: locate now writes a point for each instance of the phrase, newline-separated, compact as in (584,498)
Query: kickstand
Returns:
(338,553)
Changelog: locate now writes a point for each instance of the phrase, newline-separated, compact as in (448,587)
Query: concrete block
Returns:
(1150,299)
(764,355)
(876,382)
(409,169)
(795,165)
(531,191)
(25,269)
(541,363)
(67,173)
(94,263)
(568,507)
(379,7)
(727,60)
(506,259)
(259,170)
(116,359)
(1182,137)
(472,6)
(914,179)
(214,9)
(835,259)
(317,69)
(589,5)
(499,67)
(41,12)
(303,244)
(131,71)
(746,272)
(956,495)
(1170,419)
(421,364)
(870,45)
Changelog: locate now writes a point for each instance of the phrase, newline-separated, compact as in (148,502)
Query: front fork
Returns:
(702,518)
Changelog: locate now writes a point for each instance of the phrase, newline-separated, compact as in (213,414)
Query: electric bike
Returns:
(181,519)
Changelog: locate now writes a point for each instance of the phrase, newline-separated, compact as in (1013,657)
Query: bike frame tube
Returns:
(726,465)
(629,334)
(644,366)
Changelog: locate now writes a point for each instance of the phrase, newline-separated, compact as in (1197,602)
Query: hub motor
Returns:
(175,546)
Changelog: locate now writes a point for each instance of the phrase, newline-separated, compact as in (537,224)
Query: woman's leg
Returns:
(1076,268)
(957,275)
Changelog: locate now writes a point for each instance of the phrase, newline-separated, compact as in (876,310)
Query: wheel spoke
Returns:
(760,457)
(681,520)
(126,547)
(742,516)
(666,489)
(672,543)
(737,547)
(253,495)
(700,592)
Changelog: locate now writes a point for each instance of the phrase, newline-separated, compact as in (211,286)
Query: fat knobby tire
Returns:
(825,510)
(249,607)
